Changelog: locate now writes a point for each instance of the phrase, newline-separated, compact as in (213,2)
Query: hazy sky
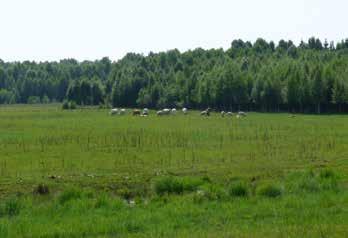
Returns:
(89,29)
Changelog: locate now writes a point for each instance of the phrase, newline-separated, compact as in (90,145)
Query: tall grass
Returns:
(181,172)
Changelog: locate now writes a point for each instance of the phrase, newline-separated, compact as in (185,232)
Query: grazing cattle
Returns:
(184,110)
(206,112)
(136,112)
(229,114)
(173,111)
(114,111)
(163,112)
(122,111)
(145,112)
(242,114)
(166,111)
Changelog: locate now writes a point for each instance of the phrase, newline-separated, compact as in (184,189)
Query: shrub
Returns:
(169,185)
(326,174)
(72,105)
(65,105)
(41,189)
(238,190)
(45,99)
(69,194)
(269,190)
(33,100)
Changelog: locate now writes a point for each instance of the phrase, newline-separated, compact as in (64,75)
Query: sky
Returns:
(50,30)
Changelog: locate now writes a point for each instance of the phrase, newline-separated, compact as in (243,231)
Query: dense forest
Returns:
(261,76)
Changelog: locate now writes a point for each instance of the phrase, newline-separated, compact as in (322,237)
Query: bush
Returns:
(45,99)
(33,100)
(177,185)
(65,105)
(269,190)
(169,185)
(70,194)
(326,174)
(41,189)
(238,190)
(73,105)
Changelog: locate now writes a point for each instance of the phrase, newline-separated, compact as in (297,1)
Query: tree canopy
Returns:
(262,76)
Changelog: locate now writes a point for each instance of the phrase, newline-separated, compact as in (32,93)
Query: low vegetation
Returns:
(84,173)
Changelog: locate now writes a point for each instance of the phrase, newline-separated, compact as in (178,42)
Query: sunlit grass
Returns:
(83,172)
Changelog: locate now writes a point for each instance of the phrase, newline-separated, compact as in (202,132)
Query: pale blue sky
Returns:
(90,29)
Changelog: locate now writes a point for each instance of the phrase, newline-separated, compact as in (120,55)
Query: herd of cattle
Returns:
(145,112)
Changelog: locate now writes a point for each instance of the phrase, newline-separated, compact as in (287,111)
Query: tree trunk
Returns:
(318,108)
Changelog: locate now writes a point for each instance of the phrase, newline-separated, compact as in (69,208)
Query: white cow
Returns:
(160,113)
(122,111)
(223,113)
(229,114)
(173,111)
(184,110)
(166,111)
(242,114)
(114,111)
(145,111)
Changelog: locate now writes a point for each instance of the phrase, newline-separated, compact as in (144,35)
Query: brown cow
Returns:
(136,112)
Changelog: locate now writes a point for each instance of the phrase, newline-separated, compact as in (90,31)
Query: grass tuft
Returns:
(12,207)
(326,174)
(169,185)
(41,189)
(269,190)
(238,190)
(68,195)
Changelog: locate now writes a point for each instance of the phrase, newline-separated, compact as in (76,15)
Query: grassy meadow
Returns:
(84,173)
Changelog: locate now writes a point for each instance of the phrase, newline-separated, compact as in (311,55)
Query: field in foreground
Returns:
(84,173)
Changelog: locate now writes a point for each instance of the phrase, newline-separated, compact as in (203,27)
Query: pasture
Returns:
(265,175)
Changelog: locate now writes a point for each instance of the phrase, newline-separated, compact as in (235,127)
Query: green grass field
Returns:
(266,175)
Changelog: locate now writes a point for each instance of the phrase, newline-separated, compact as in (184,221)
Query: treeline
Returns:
(262,76)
